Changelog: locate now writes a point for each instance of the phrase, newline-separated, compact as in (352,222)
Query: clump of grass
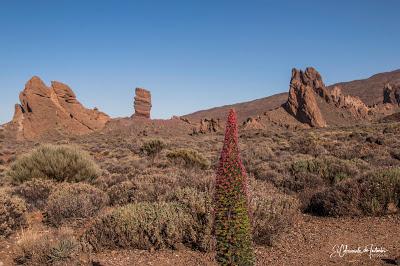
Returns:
(189,158)
(143,226)
(12,213)
(74,201)
(153,147)
(59,163)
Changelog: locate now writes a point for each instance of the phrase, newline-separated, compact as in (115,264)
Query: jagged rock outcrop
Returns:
(253,123)
(207,126)
(142,103)
(352,103)
(302,103)
(48,109)
(391,94)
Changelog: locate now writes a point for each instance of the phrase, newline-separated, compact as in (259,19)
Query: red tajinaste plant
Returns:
(232,221)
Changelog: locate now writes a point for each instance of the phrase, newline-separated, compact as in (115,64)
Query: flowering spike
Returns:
(232,221)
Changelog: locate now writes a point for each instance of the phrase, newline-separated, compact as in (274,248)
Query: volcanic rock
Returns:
(142,103)
(53,109)
(352,103)
(302,103)
(253,123)
(391,94)
(207,126)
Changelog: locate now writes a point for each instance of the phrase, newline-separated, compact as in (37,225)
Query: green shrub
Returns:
(330,169)
(44,248)
(142,226)
(189,158)
(369,195)
(59,163)
(12,213)
(153,147)
(74,201)
(35,192)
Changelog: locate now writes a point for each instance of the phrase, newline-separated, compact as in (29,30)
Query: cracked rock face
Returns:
(142,103)
(46,109)
(391,94)
(302,104)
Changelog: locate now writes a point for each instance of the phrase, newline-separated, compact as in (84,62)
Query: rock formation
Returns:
(253,123)
(302,102)
(391,94)
(47,109)
(352,103)
(207,126)
(142,103)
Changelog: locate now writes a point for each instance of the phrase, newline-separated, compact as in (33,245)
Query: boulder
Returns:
(45,109)
(142,103)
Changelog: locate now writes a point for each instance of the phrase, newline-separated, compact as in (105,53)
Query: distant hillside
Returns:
(370,90)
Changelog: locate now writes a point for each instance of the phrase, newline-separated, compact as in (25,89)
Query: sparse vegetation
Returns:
(371,195)
(12,213)
(59,163)
(74,201)
(35,192)
(153,147)
(189,158)
(38,248)
(143,226)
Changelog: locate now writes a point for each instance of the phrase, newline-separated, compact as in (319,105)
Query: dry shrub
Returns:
(189,158)
(35,192)
(369,195)
(122,193)
(59,163)
(44,248)
(12,213)
(199,205)
(74,201)
(272,212)
(143,226)
(153,147)
(340,200)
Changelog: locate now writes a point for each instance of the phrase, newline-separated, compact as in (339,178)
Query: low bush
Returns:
(370,195)
(35,192)
(153,147)
(59,163)
(41,248)
(330,169)
(74,201)
(143,226)
(122,193)
(199,205)
(189,158)
(12,213)
(272,213)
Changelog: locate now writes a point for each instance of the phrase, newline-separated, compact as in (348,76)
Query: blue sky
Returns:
(192,55)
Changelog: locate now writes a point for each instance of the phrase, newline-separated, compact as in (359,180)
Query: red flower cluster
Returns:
(232,221)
